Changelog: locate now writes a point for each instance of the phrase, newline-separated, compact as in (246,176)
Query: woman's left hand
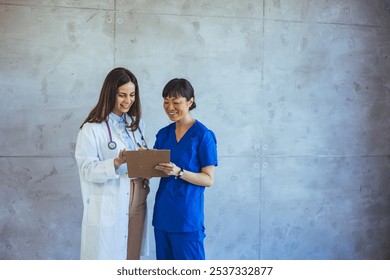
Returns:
(168,168)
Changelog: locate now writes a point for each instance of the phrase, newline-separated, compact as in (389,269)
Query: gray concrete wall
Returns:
(297,92)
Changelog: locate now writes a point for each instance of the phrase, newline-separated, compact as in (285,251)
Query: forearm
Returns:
(96,171)
(200,179)
(203,178)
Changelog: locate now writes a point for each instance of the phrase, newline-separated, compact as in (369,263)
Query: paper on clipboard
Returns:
(141,163)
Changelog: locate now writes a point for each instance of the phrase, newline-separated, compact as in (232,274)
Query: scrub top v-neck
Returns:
(179,205)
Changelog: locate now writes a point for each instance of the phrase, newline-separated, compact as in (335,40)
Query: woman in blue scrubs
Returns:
(178,216)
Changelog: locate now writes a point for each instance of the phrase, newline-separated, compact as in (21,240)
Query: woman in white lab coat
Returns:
(115,211)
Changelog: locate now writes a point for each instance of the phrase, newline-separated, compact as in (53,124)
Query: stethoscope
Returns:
(112,145)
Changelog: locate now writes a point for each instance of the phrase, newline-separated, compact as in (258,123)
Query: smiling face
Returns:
(125,97)
(177,108)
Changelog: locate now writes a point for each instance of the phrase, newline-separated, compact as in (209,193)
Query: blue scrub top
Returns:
(179,205)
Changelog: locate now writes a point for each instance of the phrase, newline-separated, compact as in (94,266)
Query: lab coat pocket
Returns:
(100,211)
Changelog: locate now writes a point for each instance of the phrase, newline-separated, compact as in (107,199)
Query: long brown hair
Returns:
(116,78)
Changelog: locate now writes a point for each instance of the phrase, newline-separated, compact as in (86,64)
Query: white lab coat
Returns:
(105,193)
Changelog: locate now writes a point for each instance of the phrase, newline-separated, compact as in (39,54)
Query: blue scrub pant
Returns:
(179,245)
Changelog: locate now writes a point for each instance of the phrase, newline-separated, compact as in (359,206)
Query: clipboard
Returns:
(141,163)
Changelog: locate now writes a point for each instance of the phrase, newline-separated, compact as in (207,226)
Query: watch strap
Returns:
(181,172)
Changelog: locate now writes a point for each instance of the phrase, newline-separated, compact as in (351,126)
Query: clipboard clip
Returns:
(140,146)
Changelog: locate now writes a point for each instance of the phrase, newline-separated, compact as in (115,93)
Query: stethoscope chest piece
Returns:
(112,145)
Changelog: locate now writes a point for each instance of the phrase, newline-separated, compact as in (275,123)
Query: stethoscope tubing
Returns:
(112,145)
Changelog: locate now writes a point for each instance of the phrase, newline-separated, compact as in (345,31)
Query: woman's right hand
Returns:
(120,159)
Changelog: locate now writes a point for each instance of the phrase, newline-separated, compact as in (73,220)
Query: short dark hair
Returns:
(180,88)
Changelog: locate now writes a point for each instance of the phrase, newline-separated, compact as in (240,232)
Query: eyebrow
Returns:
(121,92)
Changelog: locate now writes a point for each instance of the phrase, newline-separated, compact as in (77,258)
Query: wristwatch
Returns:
(181,172)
